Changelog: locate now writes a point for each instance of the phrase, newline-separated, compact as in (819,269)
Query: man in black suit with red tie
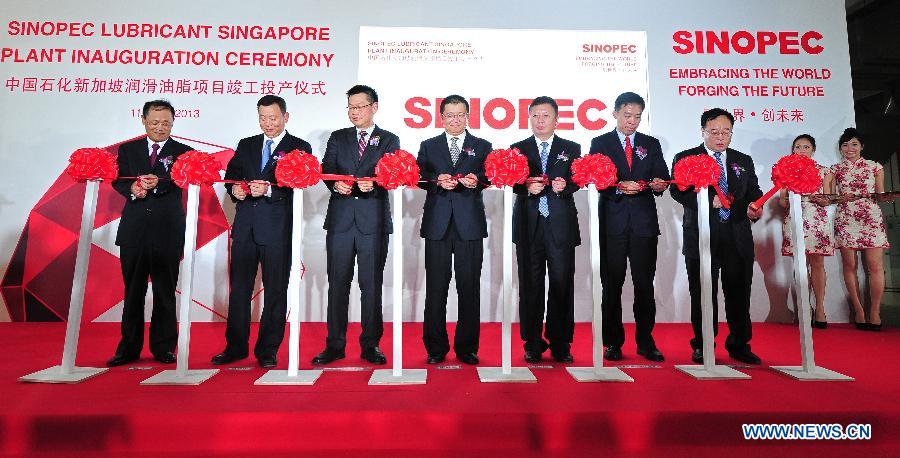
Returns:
(453,226)
(150,235)
(545,231)
(358,223)
(731,238)
(260,235)
(631,227)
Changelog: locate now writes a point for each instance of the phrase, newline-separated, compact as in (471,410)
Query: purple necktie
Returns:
(154,154)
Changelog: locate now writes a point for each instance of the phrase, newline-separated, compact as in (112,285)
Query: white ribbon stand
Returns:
(597,373)
(181,375)
(709,370)
(396,375)
(506,373)
(293,376)
(809,370)
(68,372)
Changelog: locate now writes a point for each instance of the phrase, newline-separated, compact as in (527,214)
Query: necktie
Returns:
(628,151)
(154,155)
(454,150)
(543,207)
(362,142)
(723,185)
(266,154)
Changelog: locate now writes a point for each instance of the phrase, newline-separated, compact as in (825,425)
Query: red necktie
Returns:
(362,142)
(628,151)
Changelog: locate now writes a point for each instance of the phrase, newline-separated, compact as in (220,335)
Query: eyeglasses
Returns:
(719,133)
(164,124)
(352,108)
(455,116)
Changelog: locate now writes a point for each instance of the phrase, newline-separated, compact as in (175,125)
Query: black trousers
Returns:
(737,275)
(641,253)
(160,264)
(537,258)
(370,253)
(465,257)
(246,257)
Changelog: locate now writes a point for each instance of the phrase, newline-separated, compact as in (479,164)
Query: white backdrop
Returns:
(523,45)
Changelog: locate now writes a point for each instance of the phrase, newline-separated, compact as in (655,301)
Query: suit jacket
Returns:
(159,217)
(370,211)
(742,185)
(265,220)
(563,219)
(464,205)
(636,212)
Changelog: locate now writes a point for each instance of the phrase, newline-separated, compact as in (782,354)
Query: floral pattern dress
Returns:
(817,230)
(859,223)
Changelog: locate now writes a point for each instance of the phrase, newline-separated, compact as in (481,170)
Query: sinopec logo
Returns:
(746,42)
(500,113)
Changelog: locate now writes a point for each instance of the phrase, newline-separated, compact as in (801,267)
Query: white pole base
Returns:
(516,374)
(598,374)
(171,377)
(406,377)
(281,377)
(55,374)
(716,372)
(816,374)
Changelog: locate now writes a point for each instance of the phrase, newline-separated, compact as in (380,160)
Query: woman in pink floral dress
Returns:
(859,225)
(818,234)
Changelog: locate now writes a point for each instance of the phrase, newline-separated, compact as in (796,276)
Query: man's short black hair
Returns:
(269,100)
(454,99)
(363,89)
(629,97)
(714,113)
(542,100)
(158,104)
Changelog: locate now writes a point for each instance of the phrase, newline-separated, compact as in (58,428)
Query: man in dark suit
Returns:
(631,226)
(731,238)
(358,223)
(150,235)
(545,231)
(453,226)
(260,235)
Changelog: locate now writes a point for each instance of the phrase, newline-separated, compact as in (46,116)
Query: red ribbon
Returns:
(298,169)
(506,167)
(397,169)
(594,168)
(92,164)
(796,172)
(700,171)
(197,168)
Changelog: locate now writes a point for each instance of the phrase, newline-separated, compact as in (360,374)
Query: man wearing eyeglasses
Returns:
(150,235)
(731,238)
(453,226)
(358,223)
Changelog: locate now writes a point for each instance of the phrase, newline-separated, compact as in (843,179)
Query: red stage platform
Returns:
(663,413)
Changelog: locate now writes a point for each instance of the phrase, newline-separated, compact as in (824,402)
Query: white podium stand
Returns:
(68,372)
(809,370)
(709,370)
(597,373)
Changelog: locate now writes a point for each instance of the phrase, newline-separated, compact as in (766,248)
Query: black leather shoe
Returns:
(268,362)
(697,356)
(328,355)
(373,355)
(873,327)
(745,356)
(563,357)
(120,360)
(651,353)
(225,358)
(468,358)
(165,358)
(820,324)
(532,357)
(436,358)
(612,353)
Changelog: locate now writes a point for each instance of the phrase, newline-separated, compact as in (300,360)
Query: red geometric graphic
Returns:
(38,282)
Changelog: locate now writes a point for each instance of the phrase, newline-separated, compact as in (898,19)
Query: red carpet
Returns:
(664,412)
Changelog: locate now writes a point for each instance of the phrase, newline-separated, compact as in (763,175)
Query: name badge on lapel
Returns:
(469,151)
(166,162)
(374,141)
(641,152)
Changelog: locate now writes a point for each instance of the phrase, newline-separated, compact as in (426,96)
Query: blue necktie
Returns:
(724,213)
(542,203)
(266,154)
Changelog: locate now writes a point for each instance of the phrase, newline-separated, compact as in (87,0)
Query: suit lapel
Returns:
(618,155)
(443,152)
(363,162)
(141,158)
(530,150)
(558,154)
(165,152)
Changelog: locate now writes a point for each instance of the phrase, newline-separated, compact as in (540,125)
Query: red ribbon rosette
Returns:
(195,167)
(298,169)
(506,167)
(594,168)
(796,172)
(397,169)
(700,171)
(88,164)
